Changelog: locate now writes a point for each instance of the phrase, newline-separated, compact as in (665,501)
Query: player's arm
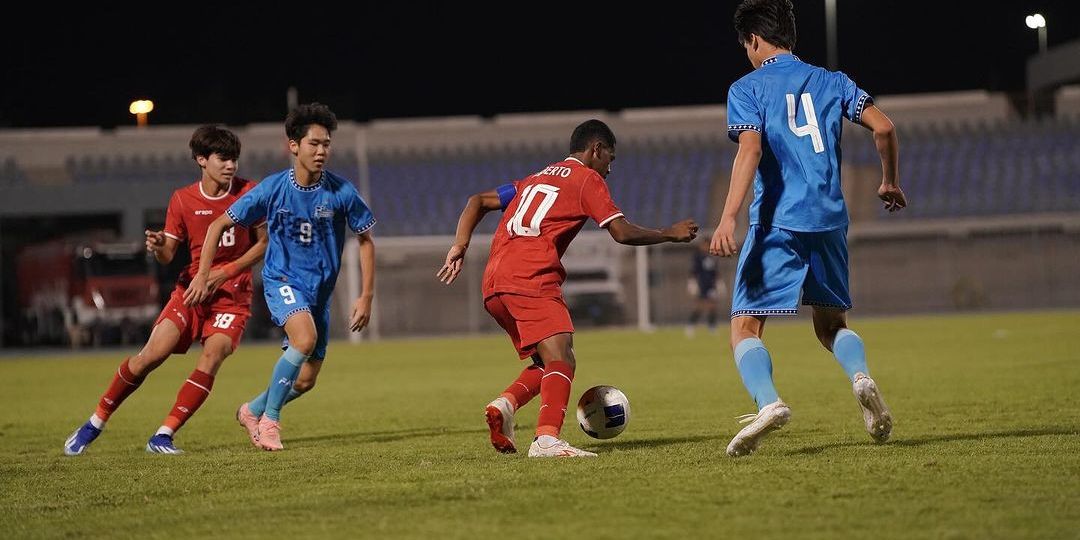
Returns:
(199,290)
(361,312)
(888,147)
(232,269)
(742,174)
(475,209)
(625,232)
(163,247)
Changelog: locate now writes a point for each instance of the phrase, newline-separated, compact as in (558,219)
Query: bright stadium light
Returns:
(140,108)
(1037,22)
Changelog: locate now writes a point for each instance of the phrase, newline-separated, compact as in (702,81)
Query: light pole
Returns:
(140,108)
(1037,21)
(830,35)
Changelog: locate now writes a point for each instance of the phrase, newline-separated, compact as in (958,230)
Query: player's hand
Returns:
(197,291)
(683,231)
(723,239)
(892,197)
(361,314)
(155,240)
(455,258)
(218,276)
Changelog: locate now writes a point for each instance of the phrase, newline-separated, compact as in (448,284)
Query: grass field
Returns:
(392,443)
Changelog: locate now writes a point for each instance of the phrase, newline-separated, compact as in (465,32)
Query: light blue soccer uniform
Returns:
(306,230)
(796,246)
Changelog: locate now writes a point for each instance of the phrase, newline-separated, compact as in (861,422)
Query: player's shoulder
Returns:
(241,186)
(339,185)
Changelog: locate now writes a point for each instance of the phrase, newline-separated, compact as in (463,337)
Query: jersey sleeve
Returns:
(357,212)
(596,201)
(175,227)
(250,208)
(852,98)
(743,111)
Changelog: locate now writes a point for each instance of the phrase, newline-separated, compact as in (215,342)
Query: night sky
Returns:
(234,63)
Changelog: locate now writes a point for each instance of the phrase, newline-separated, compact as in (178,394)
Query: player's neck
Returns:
(773,52)
(305,177)
(213,189)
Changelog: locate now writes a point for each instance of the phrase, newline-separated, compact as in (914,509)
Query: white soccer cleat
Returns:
(553,447)
(770,418)
(500,420)
(875,413)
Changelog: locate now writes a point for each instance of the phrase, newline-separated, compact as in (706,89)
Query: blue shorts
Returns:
(285,300)
(778,266)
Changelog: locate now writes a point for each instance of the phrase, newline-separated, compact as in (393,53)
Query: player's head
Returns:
(309,127)
(593,143)
(764,27)
(216,150)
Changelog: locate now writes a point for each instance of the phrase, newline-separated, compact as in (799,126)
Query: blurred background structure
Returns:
(992,174)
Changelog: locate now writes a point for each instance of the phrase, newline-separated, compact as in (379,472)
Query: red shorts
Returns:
(202,321)
(528,319)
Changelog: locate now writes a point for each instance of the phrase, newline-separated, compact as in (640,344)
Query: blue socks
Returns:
(848,349)
(281,383)
(755,367)
(258,405)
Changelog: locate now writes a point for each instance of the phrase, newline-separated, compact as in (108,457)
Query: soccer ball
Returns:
(603,412)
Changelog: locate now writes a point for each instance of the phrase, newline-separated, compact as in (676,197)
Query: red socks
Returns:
(526,387)
(192,395)
(554,395)
(122,386)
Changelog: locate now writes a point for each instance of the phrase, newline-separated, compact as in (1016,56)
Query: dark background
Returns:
(233,63)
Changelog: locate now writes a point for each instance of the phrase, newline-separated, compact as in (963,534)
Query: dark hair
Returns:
(214,139)
(771,20)
(588,132)
(301,118)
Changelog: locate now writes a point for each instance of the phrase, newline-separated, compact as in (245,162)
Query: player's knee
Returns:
(304,343)
(145,362)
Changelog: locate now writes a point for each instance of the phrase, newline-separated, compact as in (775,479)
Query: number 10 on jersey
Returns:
(516,226)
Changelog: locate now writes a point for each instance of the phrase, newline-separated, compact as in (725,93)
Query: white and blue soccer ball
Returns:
(603,412)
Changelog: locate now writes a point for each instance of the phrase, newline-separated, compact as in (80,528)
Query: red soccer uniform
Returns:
(524,275)
(189,216)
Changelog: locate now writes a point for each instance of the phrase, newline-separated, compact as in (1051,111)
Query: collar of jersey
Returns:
(572,158)
(312,187)
(786,57)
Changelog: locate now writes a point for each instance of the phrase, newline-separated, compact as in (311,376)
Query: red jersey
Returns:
(545,214)
(189,216)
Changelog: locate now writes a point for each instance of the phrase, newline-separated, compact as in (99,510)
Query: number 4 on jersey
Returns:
(811,127)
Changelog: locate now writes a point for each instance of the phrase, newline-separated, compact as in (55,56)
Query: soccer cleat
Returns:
(558,448)
(270,435)
(770,418)
(875,413)
(250,423)
(162,444)
(76,444)
(500,420)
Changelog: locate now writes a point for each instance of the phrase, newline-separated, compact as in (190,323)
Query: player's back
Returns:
(799,110)
(546,212)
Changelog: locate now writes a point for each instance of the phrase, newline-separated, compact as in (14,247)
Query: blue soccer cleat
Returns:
(162,444)
(76,444)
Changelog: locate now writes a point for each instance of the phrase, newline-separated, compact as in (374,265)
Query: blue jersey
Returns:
(798,109)
(306,227)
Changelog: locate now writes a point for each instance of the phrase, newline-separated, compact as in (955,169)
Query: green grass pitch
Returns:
(392,443)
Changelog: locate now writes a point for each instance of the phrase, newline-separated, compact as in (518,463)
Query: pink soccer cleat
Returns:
(250,423)
(270,435)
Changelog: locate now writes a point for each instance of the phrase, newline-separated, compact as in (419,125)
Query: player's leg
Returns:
(223,328)
(557,353)
(499,413)
(826,289)
(165,338)
(302,336)
(768,279)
